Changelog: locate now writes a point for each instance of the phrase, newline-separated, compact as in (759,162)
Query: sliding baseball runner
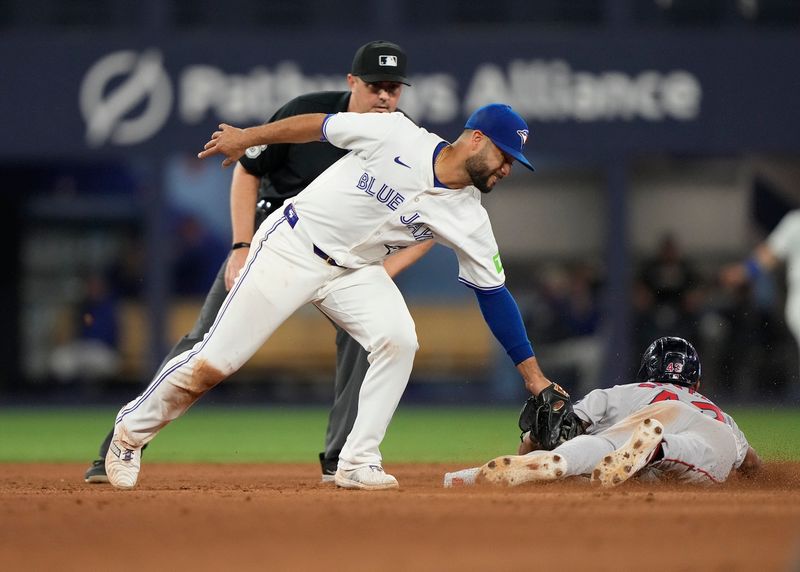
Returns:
(658,427)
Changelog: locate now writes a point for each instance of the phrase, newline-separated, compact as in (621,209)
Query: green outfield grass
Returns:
(216,434)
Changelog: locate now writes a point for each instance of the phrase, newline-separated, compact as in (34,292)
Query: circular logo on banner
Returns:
(125,98)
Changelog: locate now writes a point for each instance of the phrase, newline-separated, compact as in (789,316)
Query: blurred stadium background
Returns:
(665,133)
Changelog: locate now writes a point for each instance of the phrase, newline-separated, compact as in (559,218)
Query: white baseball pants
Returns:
(283,273)
(696,447)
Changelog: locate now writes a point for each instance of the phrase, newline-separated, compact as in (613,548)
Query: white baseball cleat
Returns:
(635,453)
(368,477)
(123,464)
(513,470)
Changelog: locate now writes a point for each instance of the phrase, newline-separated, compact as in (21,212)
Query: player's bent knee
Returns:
(398,344)
(203,373)
(405,345)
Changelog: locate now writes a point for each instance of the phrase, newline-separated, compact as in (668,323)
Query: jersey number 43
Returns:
(705,406)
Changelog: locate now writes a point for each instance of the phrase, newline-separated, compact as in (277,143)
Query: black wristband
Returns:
(240,245)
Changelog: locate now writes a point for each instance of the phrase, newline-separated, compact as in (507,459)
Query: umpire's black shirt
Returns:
(288,168)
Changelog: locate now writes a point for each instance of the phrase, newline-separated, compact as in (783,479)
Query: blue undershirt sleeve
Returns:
(502,315)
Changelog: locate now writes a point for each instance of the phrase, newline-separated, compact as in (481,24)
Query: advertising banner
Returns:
(587,95)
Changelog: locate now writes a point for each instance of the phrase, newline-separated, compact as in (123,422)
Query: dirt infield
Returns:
(279,517)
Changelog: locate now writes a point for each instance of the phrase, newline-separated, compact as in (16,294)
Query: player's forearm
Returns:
(751,464)
(402,259)
(232,142)
(765,257)
(244,190)
(526,444)
(535,380)
(762,260)
(502,315)
(296,129)
(504,320)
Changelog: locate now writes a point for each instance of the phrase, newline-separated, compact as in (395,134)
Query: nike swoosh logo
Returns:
(399,162)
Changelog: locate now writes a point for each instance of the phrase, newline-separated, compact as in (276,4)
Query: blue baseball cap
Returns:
(504,127)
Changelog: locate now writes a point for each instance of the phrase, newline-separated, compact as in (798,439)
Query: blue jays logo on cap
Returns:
(504,127)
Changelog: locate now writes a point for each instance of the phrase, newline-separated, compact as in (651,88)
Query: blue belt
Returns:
(292,218)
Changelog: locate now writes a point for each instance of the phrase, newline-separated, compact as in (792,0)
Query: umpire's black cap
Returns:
(380,61)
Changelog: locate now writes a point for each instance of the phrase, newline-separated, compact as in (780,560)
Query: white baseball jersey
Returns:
(382,196)
(784,241)
(325,248)
(606,407)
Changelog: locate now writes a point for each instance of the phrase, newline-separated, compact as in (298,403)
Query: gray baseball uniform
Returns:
(701,442)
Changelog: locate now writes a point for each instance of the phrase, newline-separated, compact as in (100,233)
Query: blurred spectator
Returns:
(196,257)
(667,296)
(561,310)
(201,223)
(582,309)
(126,275)
(575,345)
(199,188)
(743,351)
(91,354)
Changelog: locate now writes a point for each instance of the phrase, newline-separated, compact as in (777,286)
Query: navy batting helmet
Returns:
(670,360)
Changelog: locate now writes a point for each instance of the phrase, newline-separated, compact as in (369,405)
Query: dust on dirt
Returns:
(280,517)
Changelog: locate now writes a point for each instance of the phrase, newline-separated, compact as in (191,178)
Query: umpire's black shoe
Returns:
(328,468)
(96,473)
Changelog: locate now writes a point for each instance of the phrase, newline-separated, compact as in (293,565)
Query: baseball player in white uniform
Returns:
(399,185)
(655,428)
(782,245)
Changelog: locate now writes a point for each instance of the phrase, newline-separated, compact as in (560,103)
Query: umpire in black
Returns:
(262,180)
